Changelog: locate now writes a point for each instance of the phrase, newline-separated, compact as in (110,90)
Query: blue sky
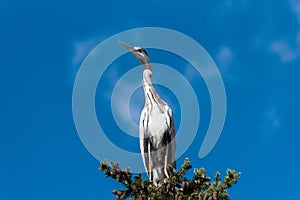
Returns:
(255,44)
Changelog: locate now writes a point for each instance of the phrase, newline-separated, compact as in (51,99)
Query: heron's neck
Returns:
(151,95)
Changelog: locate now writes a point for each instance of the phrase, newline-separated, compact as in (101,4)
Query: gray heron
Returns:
(156,127)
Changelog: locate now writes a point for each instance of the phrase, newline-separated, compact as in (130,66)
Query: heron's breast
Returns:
(157,124)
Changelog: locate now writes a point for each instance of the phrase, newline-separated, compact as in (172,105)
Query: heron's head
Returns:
(140,54)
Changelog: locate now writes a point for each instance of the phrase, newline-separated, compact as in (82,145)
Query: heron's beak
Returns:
(126,46)
(130,49)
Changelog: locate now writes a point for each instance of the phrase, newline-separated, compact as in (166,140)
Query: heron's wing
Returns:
(143,140)
(171,135)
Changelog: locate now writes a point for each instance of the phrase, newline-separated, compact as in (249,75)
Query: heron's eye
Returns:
(140,50)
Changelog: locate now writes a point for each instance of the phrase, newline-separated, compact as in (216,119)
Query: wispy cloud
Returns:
(295,7)
(271,122)
(224,57)
(82,48)
(284,50)
(288,51)
(124,113)
(272,118)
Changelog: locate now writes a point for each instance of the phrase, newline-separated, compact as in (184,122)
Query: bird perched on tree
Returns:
(156,128)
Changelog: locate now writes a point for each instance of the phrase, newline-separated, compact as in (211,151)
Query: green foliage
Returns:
(177,186)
